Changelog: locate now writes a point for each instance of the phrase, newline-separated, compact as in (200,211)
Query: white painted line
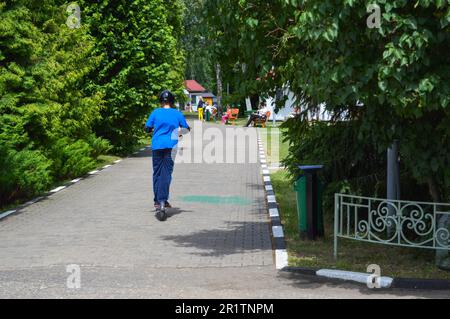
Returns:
(263,157)
(269,188)
(9,212)
(106,166)
(264,166)
(266,172)
(277,231)
(273,212)
(75,180)
(57,189)
(360,277)
(271,199)
(266,178)
(263,161)
(93,172)
(118,161)
(281,258)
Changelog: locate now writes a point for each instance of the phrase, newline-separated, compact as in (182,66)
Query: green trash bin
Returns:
(309,190)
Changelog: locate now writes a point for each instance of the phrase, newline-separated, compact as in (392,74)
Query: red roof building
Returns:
(193,86)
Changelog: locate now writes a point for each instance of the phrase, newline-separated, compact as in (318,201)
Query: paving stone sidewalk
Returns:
(215,244)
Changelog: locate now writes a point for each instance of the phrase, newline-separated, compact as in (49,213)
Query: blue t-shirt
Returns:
(165,124)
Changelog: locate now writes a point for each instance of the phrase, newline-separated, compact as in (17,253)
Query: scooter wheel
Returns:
(161,216)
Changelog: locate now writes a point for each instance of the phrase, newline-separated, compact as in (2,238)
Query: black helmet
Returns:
(167,97)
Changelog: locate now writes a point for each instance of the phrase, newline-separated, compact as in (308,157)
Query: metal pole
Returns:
(393,183)
(336,223)
(310,207)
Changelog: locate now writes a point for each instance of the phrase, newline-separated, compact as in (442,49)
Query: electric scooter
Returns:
(161,213)
(161,210)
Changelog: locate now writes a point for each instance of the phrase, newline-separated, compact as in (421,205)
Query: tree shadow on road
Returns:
(236,238)
(171,212)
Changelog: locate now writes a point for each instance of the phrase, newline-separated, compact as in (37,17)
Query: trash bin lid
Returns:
(310,169)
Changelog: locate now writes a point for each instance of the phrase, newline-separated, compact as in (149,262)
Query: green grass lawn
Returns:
(103,160)
(275,152)
(352,255)
(190,115)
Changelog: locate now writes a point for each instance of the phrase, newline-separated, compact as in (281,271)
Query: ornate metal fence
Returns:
(391,222)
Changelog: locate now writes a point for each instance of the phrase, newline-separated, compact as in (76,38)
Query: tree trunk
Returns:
(434,190)
(219,88)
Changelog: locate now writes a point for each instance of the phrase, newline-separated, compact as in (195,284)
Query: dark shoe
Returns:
(157,206)
(167,205)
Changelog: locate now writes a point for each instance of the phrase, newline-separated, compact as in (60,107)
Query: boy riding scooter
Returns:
(165,123)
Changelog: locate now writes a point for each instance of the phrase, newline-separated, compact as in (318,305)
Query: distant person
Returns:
(258,115)
(200,106)
(165,123)
(226,115)
(209,111)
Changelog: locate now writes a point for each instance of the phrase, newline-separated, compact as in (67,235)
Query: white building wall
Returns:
(289,108)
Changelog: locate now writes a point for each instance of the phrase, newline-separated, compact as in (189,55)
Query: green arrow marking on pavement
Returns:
(217,200)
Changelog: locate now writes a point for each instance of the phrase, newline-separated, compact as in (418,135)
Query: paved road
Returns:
(216,243)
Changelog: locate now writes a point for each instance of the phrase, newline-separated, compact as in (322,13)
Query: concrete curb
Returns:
(362,278)
(278,240)
(17,210)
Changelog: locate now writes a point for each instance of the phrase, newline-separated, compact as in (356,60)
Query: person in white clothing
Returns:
(260,114)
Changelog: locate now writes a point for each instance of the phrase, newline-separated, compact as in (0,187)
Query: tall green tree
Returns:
(45,118)
(138,43)
(244,35)
(200,65)
(394,79)
(391,83)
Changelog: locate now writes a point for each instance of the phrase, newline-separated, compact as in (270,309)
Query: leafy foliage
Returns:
(140,56)
(43,66)
(393,82)
(197,45)
(67,95)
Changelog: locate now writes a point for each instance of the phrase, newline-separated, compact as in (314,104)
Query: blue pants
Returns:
(162,174)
